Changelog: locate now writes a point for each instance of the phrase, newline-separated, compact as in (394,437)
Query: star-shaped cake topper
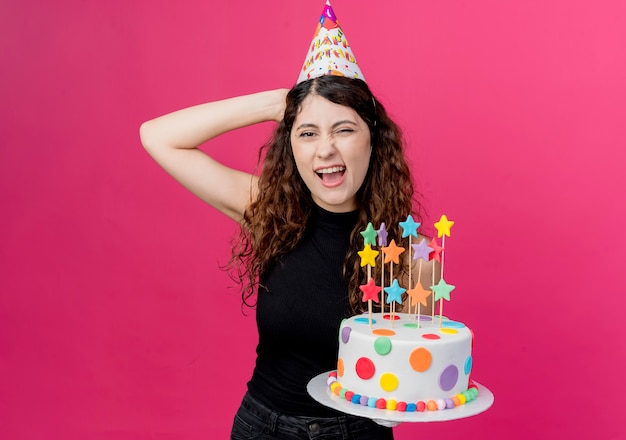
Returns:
(369,235)
(436,253)
(382,235)
(392,252)
(418,294)
(442,290)
(443,226)
(370,291)
(421,250)
(409,227)
(394,292)
(368,256)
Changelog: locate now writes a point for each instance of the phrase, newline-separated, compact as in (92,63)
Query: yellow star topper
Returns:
(368,256)
(443,226)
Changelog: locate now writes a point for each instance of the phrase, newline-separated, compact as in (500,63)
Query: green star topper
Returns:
(369,235)
(442,290)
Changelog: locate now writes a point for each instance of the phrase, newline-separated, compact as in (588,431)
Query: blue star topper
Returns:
(394,292)
(409,227)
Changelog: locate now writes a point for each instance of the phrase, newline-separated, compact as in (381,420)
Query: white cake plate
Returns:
(319,390)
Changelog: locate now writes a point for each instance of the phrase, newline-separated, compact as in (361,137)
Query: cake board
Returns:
(319,390)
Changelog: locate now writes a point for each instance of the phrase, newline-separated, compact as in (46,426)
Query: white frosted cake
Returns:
(404,366)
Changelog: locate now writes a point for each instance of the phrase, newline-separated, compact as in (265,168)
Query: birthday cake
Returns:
(404,361)
(404,367)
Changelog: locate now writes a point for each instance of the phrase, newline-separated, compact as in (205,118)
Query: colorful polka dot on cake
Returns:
(382,345)
(365,368)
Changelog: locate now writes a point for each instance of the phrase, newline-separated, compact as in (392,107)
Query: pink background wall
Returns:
(113,311)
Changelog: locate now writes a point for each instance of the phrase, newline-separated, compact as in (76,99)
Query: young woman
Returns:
(335,163)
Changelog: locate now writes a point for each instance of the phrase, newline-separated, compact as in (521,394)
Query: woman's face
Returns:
(331,146)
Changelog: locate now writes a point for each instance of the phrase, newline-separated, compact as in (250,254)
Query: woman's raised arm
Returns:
(173,141)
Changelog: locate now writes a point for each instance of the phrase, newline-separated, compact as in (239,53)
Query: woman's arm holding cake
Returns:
(173,141)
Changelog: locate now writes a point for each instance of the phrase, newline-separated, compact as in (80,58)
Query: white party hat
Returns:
(329,53)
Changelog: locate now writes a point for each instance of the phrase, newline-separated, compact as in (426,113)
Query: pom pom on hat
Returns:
(329,52)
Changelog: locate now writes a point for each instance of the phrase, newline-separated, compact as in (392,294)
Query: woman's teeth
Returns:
(331,170)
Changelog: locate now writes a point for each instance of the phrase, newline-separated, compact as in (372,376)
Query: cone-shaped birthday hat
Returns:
(329,53)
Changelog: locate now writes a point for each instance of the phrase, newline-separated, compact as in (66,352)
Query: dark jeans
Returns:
(255,421)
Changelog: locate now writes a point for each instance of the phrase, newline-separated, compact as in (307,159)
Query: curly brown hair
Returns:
(274,223)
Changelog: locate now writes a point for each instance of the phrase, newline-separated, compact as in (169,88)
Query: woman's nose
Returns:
(326,147)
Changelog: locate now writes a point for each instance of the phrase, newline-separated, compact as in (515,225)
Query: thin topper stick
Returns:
(436,256)
(392,254)
(443,253)
(382,241)
(382,282)
(391,308)
(418,312)
(409,229)
(369,300)
(410,267)
(442,289)
(418,294)
(432,309)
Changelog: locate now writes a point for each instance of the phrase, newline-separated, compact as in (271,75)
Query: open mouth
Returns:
(331,175)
